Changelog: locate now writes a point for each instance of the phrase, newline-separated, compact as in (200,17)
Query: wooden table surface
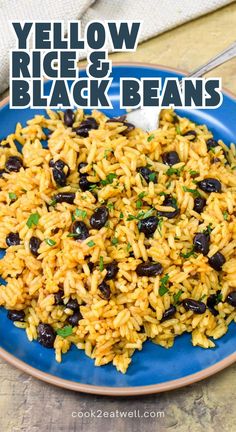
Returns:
(32,406)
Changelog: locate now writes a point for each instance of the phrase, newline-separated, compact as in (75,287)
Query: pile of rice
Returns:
(111,330)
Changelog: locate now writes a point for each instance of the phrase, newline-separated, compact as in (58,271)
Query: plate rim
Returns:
(121,391)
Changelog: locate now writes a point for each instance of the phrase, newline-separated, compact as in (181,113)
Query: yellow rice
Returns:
(111,330)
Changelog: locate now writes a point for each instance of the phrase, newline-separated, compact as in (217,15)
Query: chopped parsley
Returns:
(219,297)
(208,229)
(80,213)
(53,202)
(142,195)
(65,331)
(150,138)
(192,191)
(101,264)
(50,242)
(193,173)
(110,206)
(106,152)
(141,215)
(139,204)
(12,196)
(121,215)
(93,186)
(128,247)
(177,296)
(178,131)
(91,243)
(152,177)
(33,220)
(159,226)
(188,254)
(114,241)
(109,179)
(176,171)
(225,215)
(163,287)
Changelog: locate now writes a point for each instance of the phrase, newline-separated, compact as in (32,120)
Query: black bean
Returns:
(191,133)
(216,261)
(170,158)
(84,184)
(231,298)
(80,230)
(75,318)
(58,297)
(147,174)
(195,306)
(211,303)
(99,217)
(201,243)
(72,304)
(121,119)
(210,185)
(69,117)
(12,239)
(14,163)
(112,270)
(60,165)
(46,335)
(199,204)
(67,197)
(149,269)
(80,166)
(168,313)
(16,315)
(34,244)
(148,225)
(211,143)
(59,177)
(86,126)
(105,290)
(2,171)
(169,201)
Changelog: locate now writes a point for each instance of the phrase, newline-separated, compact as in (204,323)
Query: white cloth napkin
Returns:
(157,16)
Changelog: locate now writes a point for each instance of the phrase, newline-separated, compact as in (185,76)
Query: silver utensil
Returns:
(147,118)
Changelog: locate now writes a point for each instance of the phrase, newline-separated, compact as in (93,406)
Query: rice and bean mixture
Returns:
(114,235)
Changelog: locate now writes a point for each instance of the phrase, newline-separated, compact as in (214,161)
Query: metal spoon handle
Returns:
(220,58)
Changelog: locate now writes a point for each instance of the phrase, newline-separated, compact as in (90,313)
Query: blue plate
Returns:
(154,368)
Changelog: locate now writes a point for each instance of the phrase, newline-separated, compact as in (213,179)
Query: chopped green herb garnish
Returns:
(139,204)
(163,194)
(219,297)
(65,331)
(110,206)
(53,203)
(208,229)
(178,131)
(192,191)
(12,196)
(101,264)
(177,296)
(152,177)
(144,215)
(109,179)
(91,243)
(202,297)
(176,171)
(225,215)
(163,287)
(93,187)
(114,241)
(50,242)
(73,234)
(188,254)
(150,138)
(33,220)
(131,217)
(142,195)
(168,184)
(128,247)
(80,213)
(121,216)
(193,173)
(212,150)
(159,226)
